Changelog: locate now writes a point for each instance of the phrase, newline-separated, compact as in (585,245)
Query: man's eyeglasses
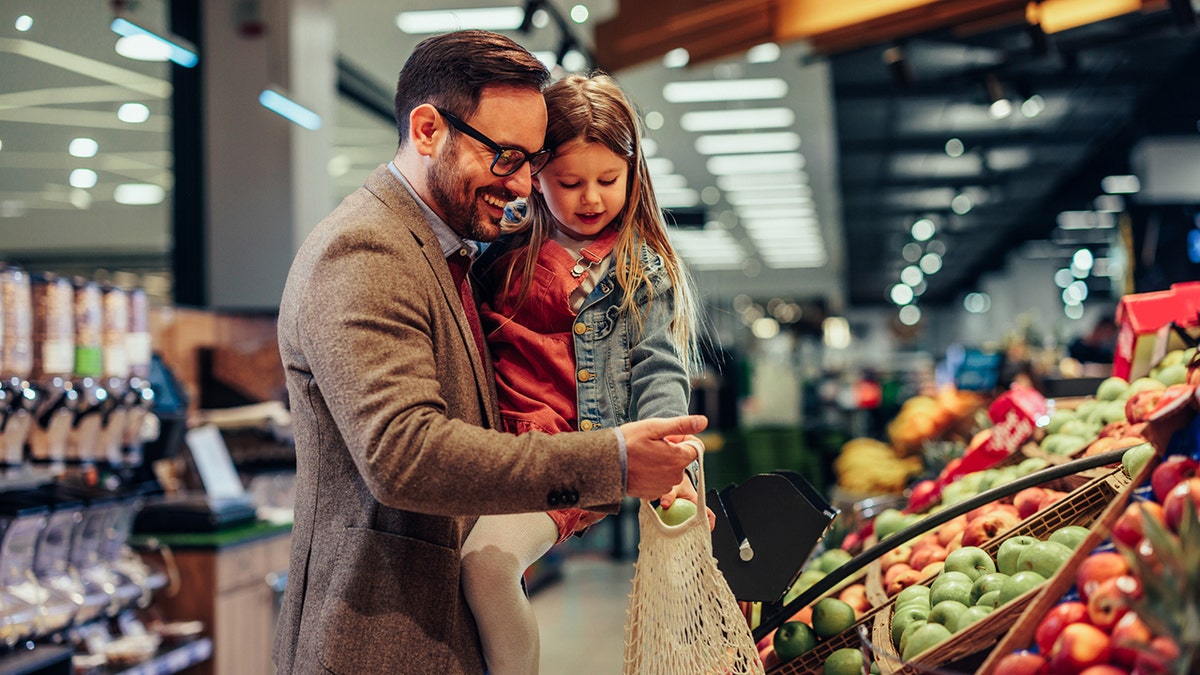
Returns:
(507,160)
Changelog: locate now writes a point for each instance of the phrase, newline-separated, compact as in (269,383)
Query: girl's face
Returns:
(584,186)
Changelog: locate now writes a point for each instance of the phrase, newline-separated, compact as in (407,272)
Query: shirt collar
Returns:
(449,240)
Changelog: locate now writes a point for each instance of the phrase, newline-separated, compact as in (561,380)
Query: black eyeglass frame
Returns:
(537,160)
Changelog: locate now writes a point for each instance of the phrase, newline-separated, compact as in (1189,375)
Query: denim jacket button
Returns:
(585,375)
(580,328)
(586,425)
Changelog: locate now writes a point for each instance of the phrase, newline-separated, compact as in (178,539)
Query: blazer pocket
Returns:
(390,602)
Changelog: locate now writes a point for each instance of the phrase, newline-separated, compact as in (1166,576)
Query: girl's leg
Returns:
(494,558)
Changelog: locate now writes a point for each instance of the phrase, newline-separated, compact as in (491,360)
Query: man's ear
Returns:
(536,180)
(425,129)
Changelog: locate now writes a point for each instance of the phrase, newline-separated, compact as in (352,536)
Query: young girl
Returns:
(591,324)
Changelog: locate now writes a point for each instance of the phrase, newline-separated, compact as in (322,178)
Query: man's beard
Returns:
(459,203)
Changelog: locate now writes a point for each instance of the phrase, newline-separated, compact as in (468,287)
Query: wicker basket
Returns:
(1083,506)
(813,661)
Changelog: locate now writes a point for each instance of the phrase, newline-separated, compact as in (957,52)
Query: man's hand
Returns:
(686,491)
(656,453)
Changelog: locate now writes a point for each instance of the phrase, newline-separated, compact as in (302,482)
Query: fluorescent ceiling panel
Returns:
(728,144)
(443,21)
(700,91)
(784,162)
(729,120)
(762,181)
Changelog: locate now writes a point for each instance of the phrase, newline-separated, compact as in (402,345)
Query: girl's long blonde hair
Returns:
(596,110)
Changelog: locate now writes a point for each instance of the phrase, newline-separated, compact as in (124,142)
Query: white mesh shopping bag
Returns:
(682,619)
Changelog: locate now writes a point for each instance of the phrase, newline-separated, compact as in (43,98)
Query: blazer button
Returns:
(585,375)
(553,498)
(580,328)
(573,497)
(586,425)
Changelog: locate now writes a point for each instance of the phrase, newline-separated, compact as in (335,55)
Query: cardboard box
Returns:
(1144,332)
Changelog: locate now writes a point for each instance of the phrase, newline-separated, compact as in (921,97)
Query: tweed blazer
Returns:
(392,408)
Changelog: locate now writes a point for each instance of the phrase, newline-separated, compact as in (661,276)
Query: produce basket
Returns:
(1085,506)
(813,660)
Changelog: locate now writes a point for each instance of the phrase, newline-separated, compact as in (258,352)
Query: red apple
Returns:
(1098,568)
(1188,490)
(1171,472)
(955,543)
(1059,617)
(988,525)
(923,491)
(1027,501)
(989,508)
(950,529)
(1079,646)
(1139,406)
(1021,663)
(926,555)
(904,580)
(1129,637)
(1109,601)
(1130,527)
(1104,669)
(900,554)
(1050,497)
(894,571)
(855,595)
(1158,659)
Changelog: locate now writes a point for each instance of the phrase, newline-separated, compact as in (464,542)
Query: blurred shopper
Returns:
(393,400)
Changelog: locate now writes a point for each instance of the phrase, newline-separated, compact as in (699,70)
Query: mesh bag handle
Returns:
(682,619)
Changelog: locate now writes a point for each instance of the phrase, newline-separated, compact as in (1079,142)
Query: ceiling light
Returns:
(931,263)
(725,90)
(999,109)
(669,181)
(763,181)
(1121,185)
(923,229)
(999,106)
(901,294)
(133,113)
(955,147)
(977,303)
(574,61)
(548,59)
(1073,311)
(911,252)
(1033,106)
(444,21)
(722,120)
(83,147)
(82,178)
(649,147)
(277,102)
(179,50)
(676,58)
(23,23)
(654,120)
(911,275)
(961,204)
(1109,203)
(767,52)
(1083,259)
(1063,278)
(727,144)
(1085,220)
(799,195)
(710,195)
(724,165)
(660,166)
(920,289)
(909,315)
(138,194)
(579,14)
(675,199)
(936,246)
(765,328)
(835,332)
(143,48)
(797,212)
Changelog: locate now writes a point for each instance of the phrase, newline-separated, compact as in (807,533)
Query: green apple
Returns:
(832,559)
(971,561)
(910,592)
(1059,418)
(831,616)
(925,638)
(802,583)
(1044,557)
(1031,465)
(1135,458)
(907,633)
(1112,389)
(947,613)
(989,599)
(677,513)
(792,639)
(845,661)
(1010,549)
(889,522)
(1070,535)
(947,587)
(985,584)
(973,614)
(1017,585)
(1144,384)
(921,603)
(1175,373)
(905,616)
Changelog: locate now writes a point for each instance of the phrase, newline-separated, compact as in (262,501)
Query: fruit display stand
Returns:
(1086,506)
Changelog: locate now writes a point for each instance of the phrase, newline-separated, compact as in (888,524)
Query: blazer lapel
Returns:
(387,188)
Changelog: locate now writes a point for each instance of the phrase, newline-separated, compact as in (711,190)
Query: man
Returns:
(393,403)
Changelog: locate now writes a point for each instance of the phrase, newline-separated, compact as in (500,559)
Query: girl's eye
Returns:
(608,182)
(568,186)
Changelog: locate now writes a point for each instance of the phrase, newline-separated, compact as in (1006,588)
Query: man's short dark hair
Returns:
(453,69)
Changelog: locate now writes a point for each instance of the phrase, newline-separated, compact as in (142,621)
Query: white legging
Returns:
(494,558)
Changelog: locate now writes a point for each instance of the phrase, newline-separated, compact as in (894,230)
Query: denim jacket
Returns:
(623,375)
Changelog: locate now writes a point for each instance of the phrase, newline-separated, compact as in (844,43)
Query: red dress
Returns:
(533,349)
